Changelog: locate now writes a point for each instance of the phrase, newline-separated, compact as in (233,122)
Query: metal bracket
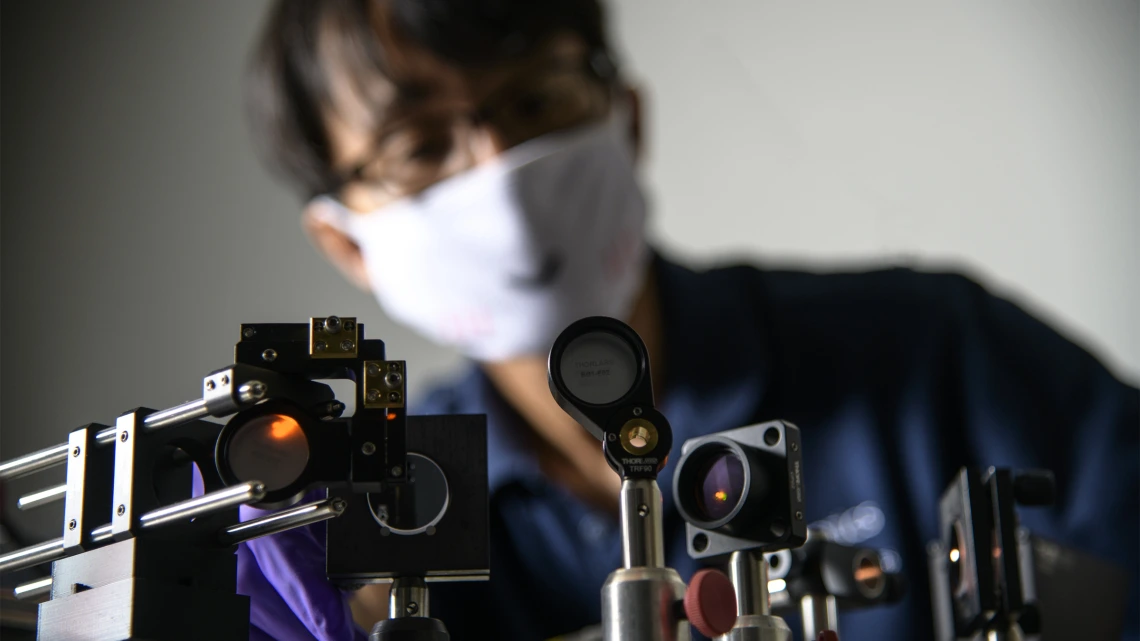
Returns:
(333,337)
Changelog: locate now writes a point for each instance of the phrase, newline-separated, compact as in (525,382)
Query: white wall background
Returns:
(998,137)
(138,230)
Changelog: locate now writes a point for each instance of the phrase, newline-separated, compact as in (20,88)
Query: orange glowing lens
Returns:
(721,496)
(283,427)
(391,416)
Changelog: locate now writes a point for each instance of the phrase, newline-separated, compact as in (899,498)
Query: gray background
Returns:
(138,230)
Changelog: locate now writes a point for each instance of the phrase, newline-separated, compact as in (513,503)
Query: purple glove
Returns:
(290,598)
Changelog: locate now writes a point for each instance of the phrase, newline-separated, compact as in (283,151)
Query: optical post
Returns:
(142,558)
(599,373)
(977,564)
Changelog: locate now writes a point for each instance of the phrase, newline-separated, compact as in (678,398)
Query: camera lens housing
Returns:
(742,489)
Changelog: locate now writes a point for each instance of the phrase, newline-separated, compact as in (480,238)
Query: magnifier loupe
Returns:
(599,374)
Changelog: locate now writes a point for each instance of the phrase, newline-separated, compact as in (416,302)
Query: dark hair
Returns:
(288,90)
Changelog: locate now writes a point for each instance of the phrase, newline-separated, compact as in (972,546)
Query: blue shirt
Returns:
(895,378)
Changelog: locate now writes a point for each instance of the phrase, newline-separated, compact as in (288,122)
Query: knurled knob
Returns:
(710,603)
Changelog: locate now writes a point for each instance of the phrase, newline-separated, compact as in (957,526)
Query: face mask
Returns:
(497,260)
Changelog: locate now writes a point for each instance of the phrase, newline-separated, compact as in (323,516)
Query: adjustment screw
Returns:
(123,436)
(368,448)
(393,367)
(332,324)
(394,397)
(210,386)
(248,332)
(225,379)
(320,346)
(799,516)
(121,510)
(396,470)
(393,379)
(642,510)
(637,411)
(75,451)
(373,369)
(349,326)
(373,394)
(269,355)
(71,524)
(346,345)
(412,607)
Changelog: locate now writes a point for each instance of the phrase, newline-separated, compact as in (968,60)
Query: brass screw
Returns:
(121,510)
(210,386)
(368,448)
(269,355)
(320,346)
(373,394)
(248,332)
(346,345)
(71,524)
(394,397)
(373,369)
(225,380)
(123,437)
(75,451)
(349,326)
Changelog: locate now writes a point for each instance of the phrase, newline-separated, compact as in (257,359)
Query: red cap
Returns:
(828,635)
(710,603)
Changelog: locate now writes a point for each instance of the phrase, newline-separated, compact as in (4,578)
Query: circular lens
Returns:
(413,507)
(598,368)
(270,448)
(721,486)
(958,561)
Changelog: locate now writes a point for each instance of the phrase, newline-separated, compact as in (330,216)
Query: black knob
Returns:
(1034,488)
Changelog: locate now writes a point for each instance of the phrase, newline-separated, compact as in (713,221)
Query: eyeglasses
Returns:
(431,142)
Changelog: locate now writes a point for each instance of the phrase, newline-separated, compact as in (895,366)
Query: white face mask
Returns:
(499,259)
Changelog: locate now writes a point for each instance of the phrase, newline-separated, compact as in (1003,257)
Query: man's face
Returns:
(393,138)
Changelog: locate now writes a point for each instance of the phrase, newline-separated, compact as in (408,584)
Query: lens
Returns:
(599,368)
(958,560)
(413,507)
(721,484)
(271,448)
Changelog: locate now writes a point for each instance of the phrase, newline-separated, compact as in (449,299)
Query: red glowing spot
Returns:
(283,427)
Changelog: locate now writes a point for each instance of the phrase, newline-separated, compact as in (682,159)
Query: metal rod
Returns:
(642,534)
(102,533)
(201,505)
(43,497)
(32,589)
(749,574)
(820,612)
(34,462)
(34,555)
(408,597)
(248,393)
(187,411)
(281,521)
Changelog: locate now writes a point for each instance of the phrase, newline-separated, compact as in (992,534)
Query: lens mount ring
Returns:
(291,490)
(694,464)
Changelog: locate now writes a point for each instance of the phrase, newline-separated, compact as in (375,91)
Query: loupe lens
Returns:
(271,448)
(599,368)
(721,486)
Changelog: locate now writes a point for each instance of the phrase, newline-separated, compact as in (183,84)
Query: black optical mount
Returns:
(142,556)
(599,373)
(976,564)
(741,494)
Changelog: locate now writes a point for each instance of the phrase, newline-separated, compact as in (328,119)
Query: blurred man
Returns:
(471,163)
